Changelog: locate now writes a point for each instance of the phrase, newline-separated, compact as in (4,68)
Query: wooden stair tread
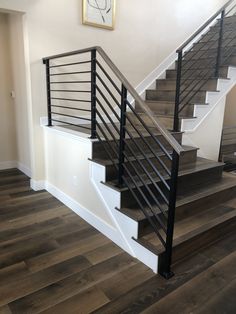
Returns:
(229,158)
(169,103)
(167,116)
(226,182)
(108,162)
(151,240)
(200,165)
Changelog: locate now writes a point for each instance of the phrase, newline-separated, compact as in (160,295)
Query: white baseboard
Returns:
(4,165)
(37,185)
(24,169)
(8,164)
(99,224)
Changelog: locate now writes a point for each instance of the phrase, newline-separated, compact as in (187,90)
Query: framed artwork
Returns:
(99,13)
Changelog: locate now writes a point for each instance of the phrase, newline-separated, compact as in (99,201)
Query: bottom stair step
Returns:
(196,232)
(195,200)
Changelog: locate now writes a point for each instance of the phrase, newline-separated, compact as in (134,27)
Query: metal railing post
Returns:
(93,93)
(166,259)
(122,134)
(177,93)
(49,108)
(219,48)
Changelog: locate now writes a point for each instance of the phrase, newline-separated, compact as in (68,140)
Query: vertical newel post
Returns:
(177,92)
(219,48)
(47,64)
(122,134)
(165,259)
(93,93)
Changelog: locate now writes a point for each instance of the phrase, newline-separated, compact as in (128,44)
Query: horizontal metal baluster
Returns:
(71,82)
(69,64)
(108,140)
(107,151)
(149,161)
(70,91)
(153,182)
(150,148)
(150,133)
(72,124)
(71,108)
(111,108)
(109,118)
(144,197)
(108,90)
(108,129)
(68,99)
(156,171)
(70,73)
(146,214)
(191,67)
(109,78)
(70,116)
(204,81)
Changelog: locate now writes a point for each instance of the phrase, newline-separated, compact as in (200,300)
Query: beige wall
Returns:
(74,178)
(19,69)
(230,108)
(8,152)
(146,33)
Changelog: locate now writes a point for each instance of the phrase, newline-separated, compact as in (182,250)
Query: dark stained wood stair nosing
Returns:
(193,234)
(137,214)
(196,167)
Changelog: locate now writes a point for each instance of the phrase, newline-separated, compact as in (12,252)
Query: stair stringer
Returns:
(201,112)
(127,227)
(205,129)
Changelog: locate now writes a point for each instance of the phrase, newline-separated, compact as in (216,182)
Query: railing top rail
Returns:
(166,134)
(211,19)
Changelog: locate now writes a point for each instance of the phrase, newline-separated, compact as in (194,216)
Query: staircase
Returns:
(178,201)
(198,75)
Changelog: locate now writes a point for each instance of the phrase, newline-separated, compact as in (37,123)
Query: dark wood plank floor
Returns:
(51,261)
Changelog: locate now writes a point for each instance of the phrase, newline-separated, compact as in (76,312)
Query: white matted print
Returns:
(99,13)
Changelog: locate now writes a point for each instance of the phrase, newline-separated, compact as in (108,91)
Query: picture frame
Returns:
(99,13)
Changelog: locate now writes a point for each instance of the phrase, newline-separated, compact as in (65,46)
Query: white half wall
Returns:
(76,182)
(207,137)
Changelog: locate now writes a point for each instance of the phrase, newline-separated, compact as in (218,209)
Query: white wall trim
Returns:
(4,165)
(127,227)
(72,135)
(8,164)
(202,112)
(160,70)
(23,168)
(85,214)
(104,196)
(37,185)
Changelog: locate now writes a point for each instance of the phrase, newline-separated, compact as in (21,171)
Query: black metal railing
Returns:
(205,57)
(227,153)
(144,154)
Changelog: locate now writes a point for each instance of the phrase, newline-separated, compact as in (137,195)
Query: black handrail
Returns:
(146,162)
(190,76)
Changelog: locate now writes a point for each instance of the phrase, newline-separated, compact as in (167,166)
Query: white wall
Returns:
(230,108)
(145,33)
(18,64)
(8,151)
(67,170)
(208,137)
